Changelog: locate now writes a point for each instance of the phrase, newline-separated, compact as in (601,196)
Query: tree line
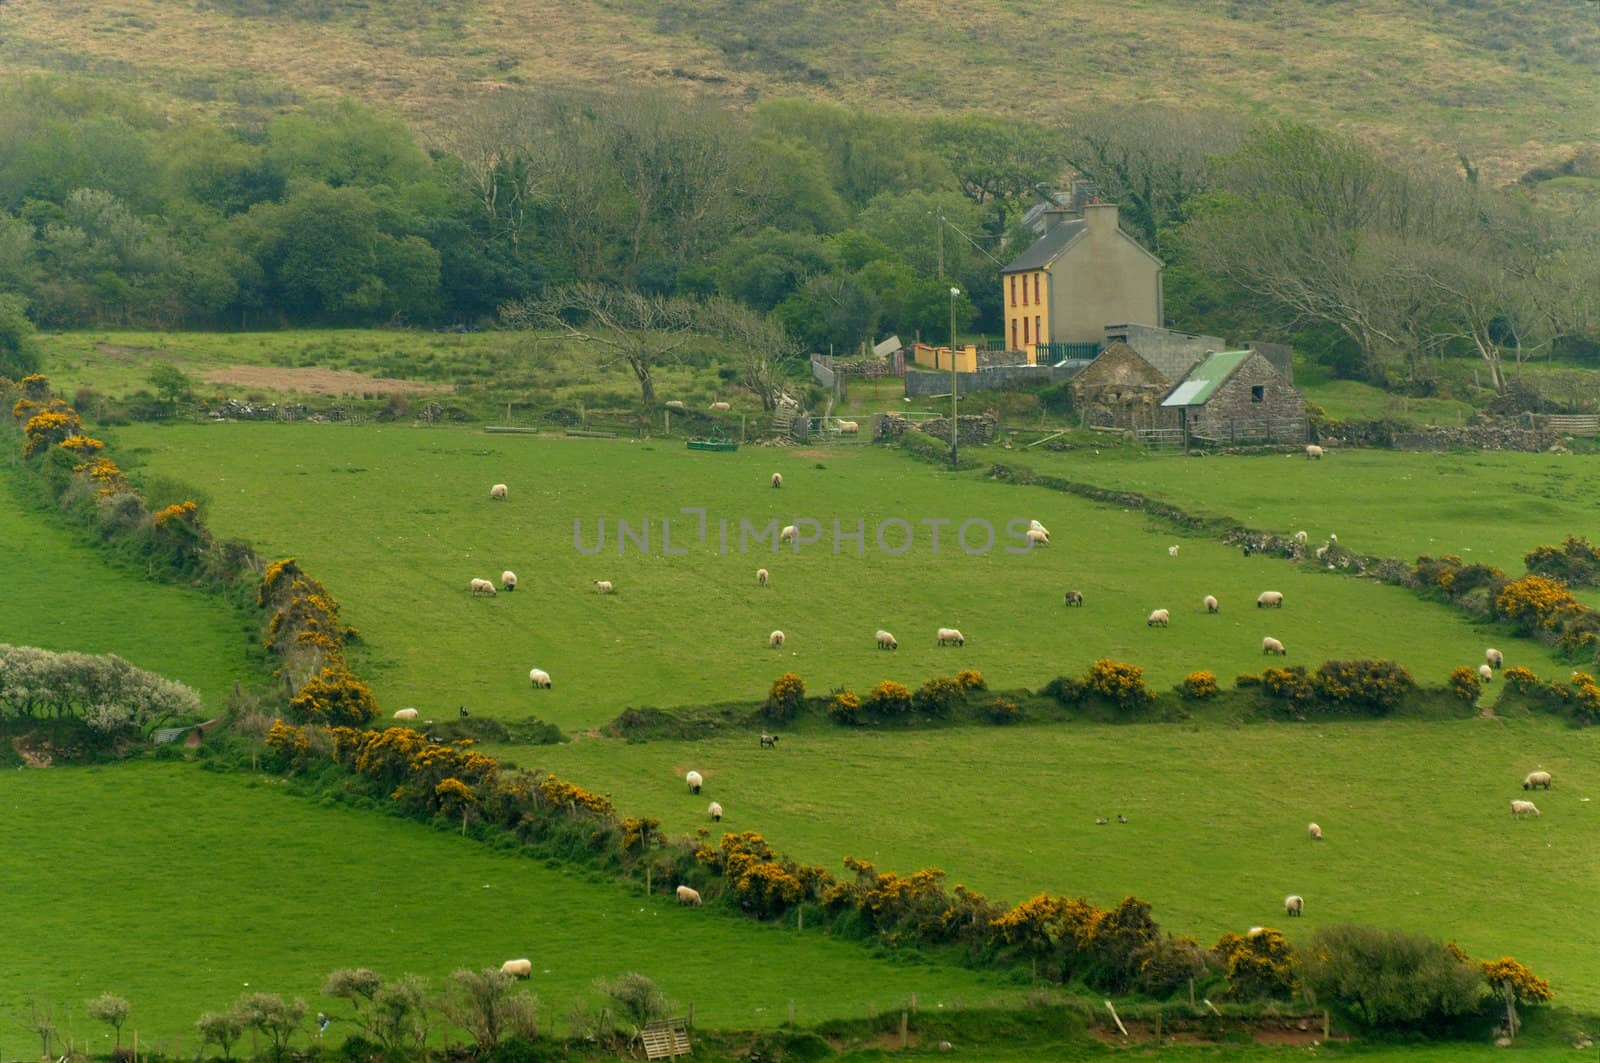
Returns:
(839,225)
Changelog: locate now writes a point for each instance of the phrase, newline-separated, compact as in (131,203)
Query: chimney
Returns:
(1102,219)
(1054,216)
(1082,195)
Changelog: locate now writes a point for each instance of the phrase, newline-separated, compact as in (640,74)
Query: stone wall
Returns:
(974,428)
(995,378)
(1235,415)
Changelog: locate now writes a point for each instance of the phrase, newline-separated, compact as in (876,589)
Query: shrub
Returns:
(938,696)
(971,680)
(1198,685)
(334,698)
(845,708)
(1523,679)
(1256,965)
(1375,687)
(1004,710)
(1535,603)
(889,698)
(1511,979)
(1118,682)
(1288,683)
(1464,684)
(1575,562)
(784,700)
(1170,962)
(1066,689)
(1245,680)
(1391,978)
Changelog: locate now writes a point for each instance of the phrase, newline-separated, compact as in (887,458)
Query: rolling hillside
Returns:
(1509,85)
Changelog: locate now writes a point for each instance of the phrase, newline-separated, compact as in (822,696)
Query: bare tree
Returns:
(498,141)
(760,346)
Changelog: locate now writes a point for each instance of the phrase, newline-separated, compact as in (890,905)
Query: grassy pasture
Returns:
(397,520)
(1418,829)
(180,889)
(60,593)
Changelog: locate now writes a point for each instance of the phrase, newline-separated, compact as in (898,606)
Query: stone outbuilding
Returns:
(1237,397)
(1120,389)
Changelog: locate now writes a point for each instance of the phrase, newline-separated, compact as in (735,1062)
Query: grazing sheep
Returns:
(948,635)
(1495,658)
(1269,600)
(1536,778)
(688,896)
(482,586)
(775,640)
(463,711)
(1523,808)
(1158,616)
(602,586)
(1211,603)
(695,781)
(761,577)
(1300,537)
(716,812)
(1315,832)
(1253,931)
(1322,552)
(886,641)
(788,534)
(497,491)
(849,428)
(1036,526)
(1037,538)
(1273,646)
(508,581)
(517,968)
(769,741)
(1313,451)
(674,404)
(721,407)
(1074,598)
(1485,673)
(777,479)
(1294,904)
(1172,551)
(539,678)
(405,714)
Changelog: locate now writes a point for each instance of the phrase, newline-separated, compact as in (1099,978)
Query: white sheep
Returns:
(482,586)
(1322,552)
(1485,673)
(1037,538)
(886,641)
(1034,525)
(1495,658)
(407,713)
(1172,551)
(1253,931)
(777,479)
(539,678)
(1294,904)
(1333,539)
(1523,808)
(1273,646)
(775,640)
(1158,617)
(761,577)
(788,534)
(688,896)
(722,407)
(849,428)
(948,635)
(517,968)
(695,781)
(1300,537)
(602,586)
(1313,451)
(497,491)
(674,404)
(1536,778)
(508,580)
(1315,832)
(716,812)
(1269,600)
(1211,603)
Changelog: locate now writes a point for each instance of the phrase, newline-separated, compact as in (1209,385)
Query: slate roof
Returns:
(1048,247)
(1204,379)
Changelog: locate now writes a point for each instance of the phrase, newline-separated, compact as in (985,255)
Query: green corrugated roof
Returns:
(1204,379)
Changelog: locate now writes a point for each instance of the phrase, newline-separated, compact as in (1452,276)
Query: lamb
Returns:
(1495,658)
(1211,603)
(688,896)
(1074,598)
(674,404)
(602,586)
(695,781)
(849,428)
(721,407)
(1536,778)
(405,714)
(497,491)
(508,581)
(482,586)
(788,534)
(1523,808)
(1034,525)
(777,479)
(1313,451)
(1485,673)
(1294,904)
(1037,538)
(1172,551)
(949,635)
(1269,600)
(1315,832)
(1273,646)
(539,678)
(769,741)
(886,641)
(1158,616)
(775,640)
(1300,537)
(761,577)
(716,812)
(517,968)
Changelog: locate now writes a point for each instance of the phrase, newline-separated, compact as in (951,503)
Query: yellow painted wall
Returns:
(1036,312)
(939,358)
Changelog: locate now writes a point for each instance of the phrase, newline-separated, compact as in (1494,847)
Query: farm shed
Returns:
(1238,397)
(1120,389)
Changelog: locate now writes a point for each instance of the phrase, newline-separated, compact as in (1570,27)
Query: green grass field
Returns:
(180,889)
(60,593)
(397,520)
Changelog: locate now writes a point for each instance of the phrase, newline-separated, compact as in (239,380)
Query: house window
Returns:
(1013,289)
(1038,333)
(1025,338)
(1258,393)
(1035,287)
(1014,345)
